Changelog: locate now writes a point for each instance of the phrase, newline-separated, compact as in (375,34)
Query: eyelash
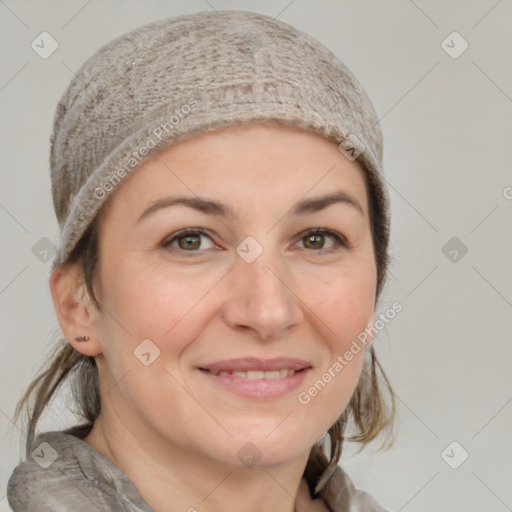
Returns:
(340,241)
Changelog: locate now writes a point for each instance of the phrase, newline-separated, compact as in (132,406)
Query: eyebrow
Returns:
(212,207)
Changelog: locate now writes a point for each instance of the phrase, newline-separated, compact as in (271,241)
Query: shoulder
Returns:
(63,473)
(341,495)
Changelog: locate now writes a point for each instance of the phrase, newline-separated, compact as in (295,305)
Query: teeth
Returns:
(255,375)
(258,374)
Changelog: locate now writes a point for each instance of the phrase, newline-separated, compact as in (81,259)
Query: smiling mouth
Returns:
(258,379)
(257,374)
(255,383)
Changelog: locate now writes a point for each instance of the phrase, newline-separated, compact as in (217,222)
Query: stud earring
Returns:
(81,338)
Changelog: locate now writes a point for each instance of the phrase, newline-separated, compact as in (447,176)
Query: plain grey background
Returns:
(446,119)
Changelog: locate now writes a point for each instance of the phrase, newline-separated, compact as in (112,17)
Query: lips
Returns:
(253,364)
(254,378)
(258,374)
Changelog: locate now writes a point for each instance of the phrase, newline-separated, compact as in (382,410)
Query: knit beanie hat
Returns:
(171,79)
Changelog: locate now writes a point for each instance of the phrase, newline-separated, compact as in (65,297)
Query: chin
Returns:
(268,446)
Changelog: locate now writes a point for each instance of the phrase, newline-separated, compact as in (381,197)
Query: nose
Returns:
(262,298)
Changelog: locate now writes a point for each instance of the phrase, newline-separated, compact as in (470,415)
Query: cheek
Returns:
(155,302)
(160,305)
(345,302)
(345,309)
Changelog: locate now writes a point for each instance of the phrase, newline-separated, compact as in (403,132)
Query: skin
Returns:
(167,426)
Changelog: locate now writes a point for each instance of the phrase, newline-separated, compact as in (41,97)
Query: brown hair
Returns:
(368,407)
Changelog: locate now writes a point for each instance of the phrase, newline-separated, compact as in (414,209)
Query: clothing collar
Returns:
(79,469)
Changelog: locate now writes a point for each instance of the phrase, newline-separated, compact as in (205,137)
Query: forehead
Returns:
(243,165)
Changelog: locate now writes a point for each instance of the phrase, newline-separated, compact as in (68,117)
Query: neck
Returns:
(167,474)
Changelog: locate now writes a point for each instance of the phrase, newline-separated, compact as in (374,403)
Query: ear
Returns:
(76,314)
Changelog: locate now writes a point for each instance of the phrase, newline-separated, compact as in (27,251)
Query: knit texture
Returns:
(179,77)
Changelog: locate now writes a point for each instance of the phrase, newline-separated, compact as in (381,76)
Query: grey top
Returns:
(66,474)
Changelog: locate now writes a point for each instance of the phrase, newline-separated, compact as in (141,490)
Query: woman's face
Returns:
(253,292)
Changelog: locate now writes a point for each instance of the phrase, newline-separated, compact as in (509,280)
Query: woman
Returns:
(215,303)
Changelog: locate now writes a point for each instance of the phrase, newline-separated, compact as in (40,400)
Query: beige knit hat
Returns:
(183,76)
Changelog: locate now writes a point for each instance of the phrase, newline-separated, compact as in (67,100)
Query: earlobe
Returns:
(75,312)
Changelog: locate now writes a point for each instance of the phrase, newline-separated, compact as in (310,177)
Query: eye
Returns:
(315,239)
(188,240)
